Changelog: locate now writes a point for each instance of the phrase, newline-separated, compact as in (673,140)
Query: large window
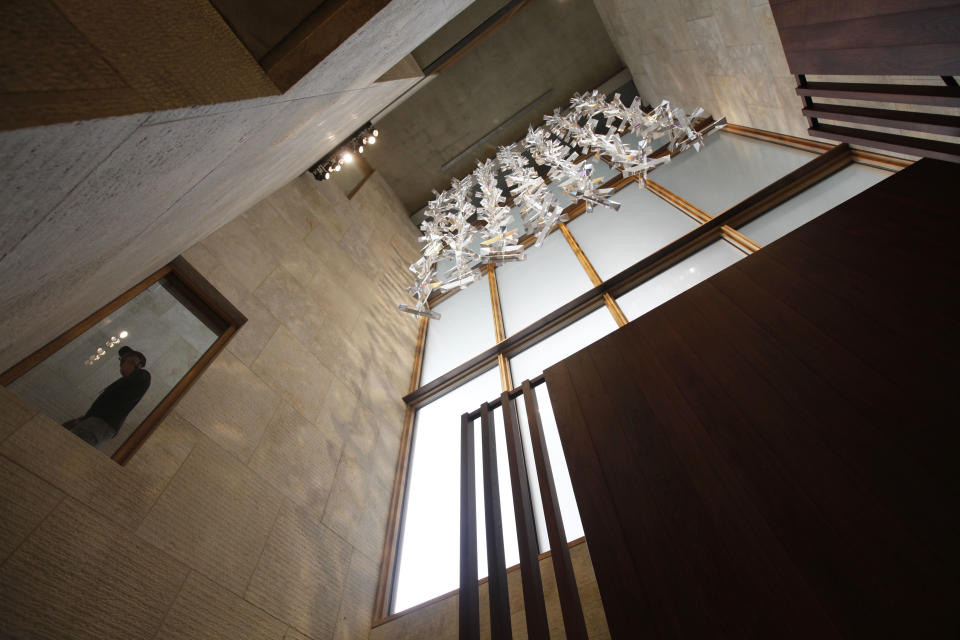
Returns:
(701,213)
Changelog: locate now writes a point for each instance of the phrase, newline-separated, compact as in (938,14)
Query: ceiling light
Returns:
(371,140)
(347,157)
(123,334)
(326,175)
(360,149)
(376,132)
(337,168)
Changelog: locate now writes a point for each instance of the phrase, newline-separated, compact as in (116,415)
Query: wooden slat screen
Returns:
(535,610)
(496,564)
(469,589)
(870,38)
(573,621)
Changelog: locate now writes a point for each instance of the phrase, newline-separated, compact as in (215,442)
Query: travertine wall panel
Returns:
(302,572)
(215,515)
(230,405)
(269,484)
(297,375)
(356,608)
(299,457)
(13,413)
(47,450)
(723,55)
(82,576)
(25,501)
(204,609)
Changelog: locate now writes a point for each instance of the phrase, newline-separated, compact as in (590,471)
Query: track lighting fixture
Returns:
(324,168)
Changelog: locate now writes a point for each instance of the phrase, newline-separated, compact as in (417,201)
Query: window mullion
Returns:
(506,384)
(688,208)
(618,316)
(739,240)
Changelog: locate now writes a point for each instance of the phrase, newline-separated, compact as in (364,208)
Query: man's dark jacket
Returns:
(117,400)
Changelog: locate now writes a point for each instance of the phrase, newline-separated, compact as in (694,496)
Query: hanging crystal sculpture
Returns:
(497,245)
(454,224)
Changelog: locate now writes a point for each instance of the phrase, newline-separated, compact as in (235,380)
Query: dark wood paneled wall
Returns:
(774,452)
(870,37)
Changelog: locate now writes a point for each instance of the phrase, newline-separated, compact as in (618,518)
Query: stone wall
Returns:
(723,55)
(258,508)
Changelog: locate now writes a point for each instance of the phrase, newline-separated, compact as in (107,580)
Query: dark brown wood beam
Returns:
(496,563)
(535,610)
(573,621)
(891,142)
(941,96)
(317,37)
(926,122)
(469,600)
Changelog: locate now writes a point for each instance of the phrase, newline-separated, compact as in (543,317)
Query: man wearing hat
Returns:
(104,417)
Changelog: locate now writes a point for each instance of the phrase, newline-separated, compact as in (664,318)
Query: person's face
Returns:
(128,364)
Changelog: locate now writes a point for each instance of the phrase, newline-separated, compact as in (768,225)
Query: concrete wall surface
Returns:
(541,56)
(258,507)
(438,620)
(87,209)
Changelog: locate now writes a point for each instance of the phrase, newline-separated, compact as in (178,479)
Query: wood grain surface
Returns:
(771,453)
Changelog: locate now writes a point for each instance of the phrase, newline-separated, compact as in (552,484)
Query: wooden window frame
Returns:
(827,160)
(195,287)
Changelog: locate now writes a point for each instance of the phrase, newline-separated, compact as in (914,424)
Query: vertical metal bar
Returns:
(573,621)
(469,589)
(496,563)
(538,628)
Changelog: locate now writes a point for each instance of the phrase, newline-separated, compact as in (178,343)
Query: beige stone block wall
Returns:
(439,619)
(722,55)
(258,508)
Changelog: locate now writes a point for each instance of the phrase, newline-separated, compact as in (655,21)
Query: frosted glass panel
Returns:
(615,240)
(550,276)
(727,170)
(809,204)
(562,198)
(678,278)
(530,364)
(465,328)
(429,563)
(569,512)
(631,140)
(587,330)
(601,169)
